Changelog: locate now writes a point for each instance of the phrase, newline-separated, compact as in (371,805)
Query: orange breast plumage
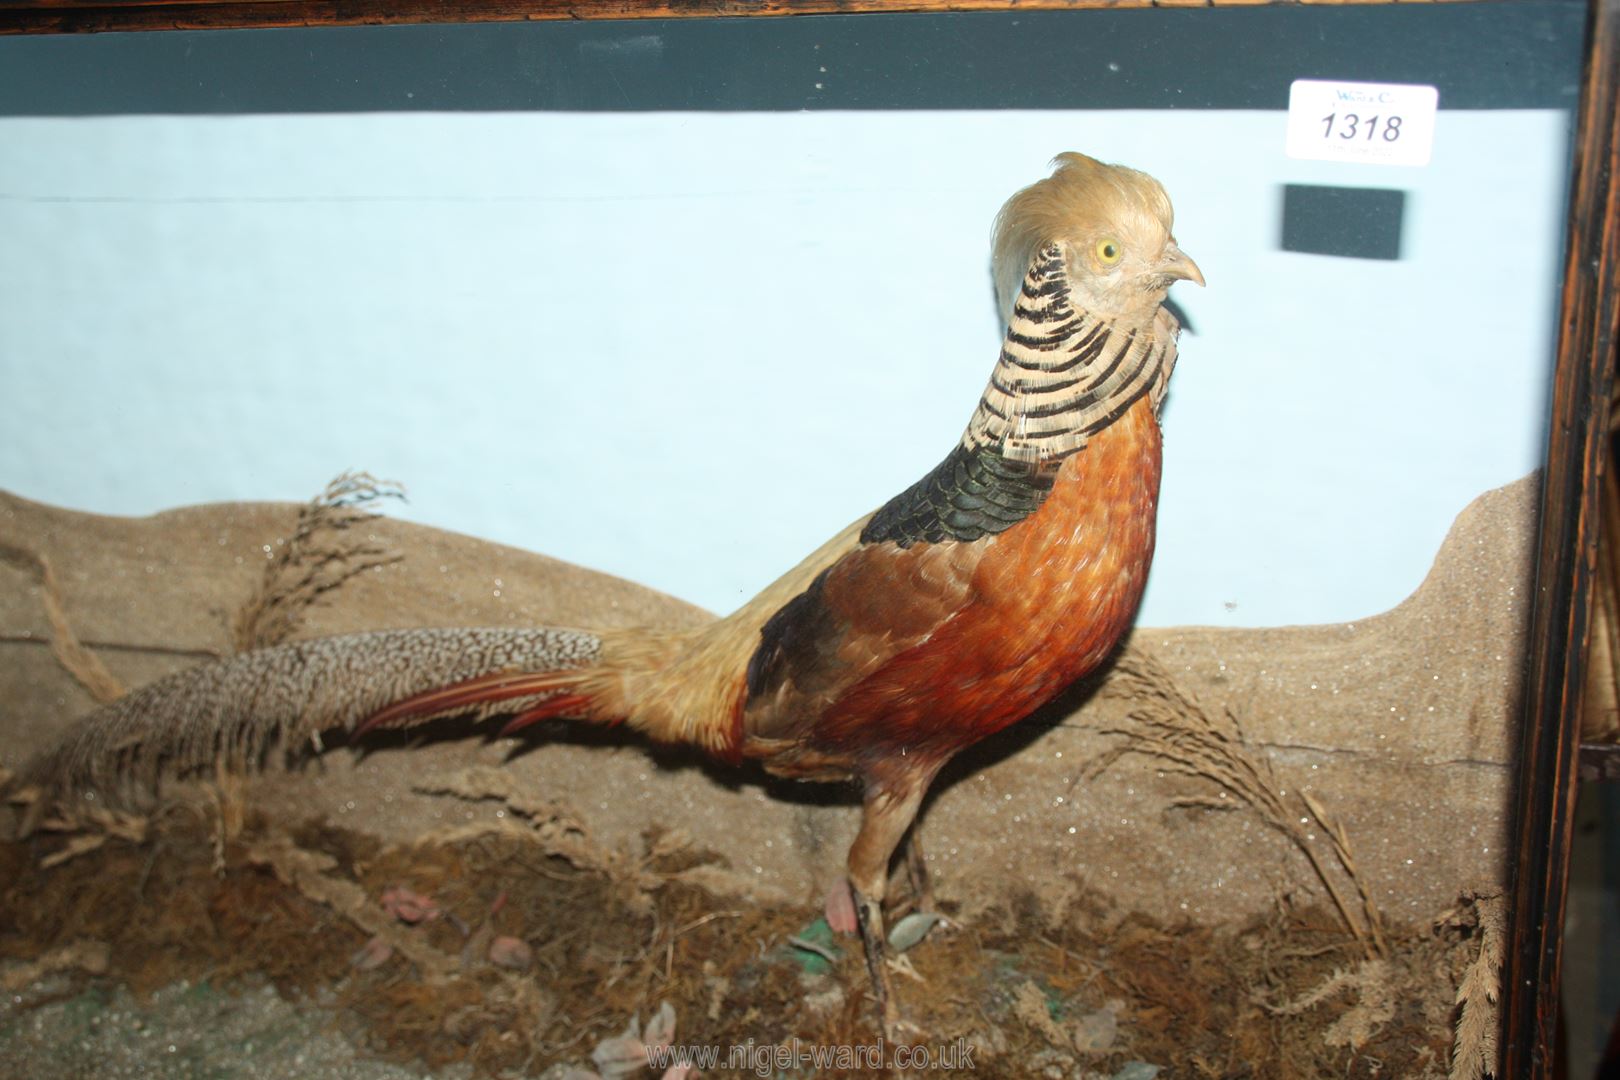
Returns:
(950,642)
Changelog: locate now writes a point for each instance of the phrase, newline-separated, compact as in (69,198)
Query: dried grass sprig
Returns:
(322,553)
(1341,850)
(1170,725)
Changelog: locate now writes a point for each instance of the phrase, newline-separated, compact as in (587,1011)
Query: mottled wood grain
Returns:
(1577,455)
(95,16)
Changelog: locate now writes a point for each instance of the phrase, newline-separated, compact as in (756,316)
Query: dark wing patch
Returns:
(876,602)
(791,640)
(971,494)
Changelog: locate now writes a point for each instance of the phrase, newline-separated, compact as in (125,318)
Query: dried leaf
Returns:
(910,930)
(511,953)
(372,955)
(1137,1070)
(621,1055)
(408,906)
(1096,1033)
(660,1030)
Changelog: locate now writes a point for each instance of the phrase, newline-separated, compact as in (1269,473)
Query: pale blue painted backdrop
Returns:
(685,348)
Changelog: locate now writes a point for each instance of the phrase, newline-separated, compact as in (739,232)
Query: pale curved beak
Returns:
(1177,265)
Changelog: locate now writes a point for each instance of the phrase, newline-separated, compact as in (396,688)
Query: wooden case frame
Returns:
(1577,448)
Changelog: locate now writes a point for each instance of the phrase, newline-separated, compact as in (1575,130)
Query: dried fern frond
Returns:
(91,829)
(324,551)
(1473,1054)
(1373,982)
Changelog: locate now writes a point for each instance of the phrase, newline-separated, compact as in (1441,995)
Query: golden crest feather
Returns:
(1082,199)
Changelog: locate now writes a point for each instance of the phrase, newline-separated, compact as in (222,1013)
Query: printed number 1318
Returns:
(1352,126)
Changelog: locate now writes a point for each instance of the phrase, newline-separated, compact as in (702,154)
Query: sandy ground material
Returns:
(1081,992)
(185,1031)
(1401,724)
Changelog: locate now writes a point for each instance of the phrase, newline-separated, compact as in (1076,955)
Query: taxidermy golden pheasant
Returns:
(960,606)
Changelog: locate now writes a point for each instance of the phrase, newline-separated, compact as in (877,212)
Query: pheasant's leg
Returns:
(888,813)
(869,913)
(922,885)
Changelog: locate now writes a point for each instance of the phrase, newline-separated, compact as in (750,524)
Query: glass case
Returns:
(678,298)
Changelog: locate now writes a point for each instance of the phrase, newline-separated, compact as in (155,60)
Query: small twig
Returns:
(811,946)
(704,920)
(85,666)
(84,955)
(669,946)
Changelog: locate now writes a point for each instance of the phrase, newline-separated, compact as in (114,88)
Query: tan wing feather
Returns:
(688,687)
(875,603)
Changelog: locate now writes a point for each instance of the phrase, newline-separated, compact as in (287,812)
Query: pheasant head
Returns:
(1114,227)
(1082,262)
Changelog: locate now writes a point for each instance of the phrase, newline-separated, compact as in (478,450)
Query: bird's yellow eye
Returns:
(1109,251)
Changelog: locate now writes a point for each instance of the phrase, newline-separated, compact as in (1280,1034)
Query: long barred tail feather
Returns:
(236,712)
